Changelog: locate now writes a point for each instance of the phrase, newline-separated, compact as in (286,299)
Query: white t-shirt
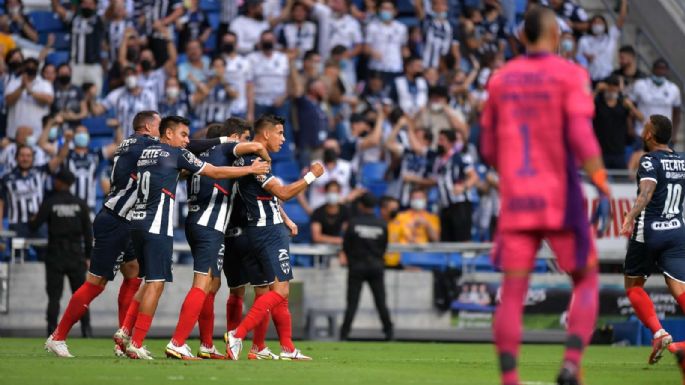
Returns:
(126,105)
(238,74)
(270,74)
(154,82)
(342,173)
(652,99)
(603,48)
(387,39)
(248,31)
(345,31)
(27,111)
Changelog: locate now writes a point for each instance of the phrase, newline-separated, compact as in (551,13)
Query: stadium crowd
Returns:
(386,93)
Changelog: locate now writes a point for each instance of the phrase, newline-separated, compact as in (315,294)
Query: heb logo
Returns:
(668,225)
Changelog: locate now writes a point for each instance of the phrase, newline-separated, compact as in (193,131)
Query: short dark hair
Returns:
(338,50)
(310,54)
(171,122)
(534,23)
(663,128)
(439,91)
(59,67)
(386,199)
(449,133)
(31,60)
(230,33)
(142,118)
(613,80)
(427,133)
(21,147)
(266,121)
(660,62)
(368,201)
(330,183)
(418,190)
(236,126)
(214,130)
(627,49)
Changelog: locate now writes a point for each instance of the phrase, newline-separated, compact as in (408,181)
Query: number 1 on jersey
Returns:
(526,168)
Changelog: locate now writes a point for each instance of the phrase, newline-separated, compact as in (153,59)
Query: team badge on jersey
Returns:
(284,260)
(647,164)
(260,178)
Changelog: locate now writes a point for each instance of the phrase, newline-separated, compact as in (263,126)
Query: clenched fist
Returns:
(260,167)
(317,169)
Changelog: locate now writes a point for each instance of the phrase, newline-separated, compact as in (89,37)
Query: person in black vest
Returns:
(364,245)
(70,241)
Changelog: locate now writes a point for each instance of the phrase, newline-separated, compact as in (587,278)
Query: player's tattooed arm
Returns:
(647,188)
(258,167)
(253,148)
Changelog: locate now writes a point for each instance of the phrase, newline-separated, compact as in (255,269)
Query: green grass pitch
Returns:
(23,361)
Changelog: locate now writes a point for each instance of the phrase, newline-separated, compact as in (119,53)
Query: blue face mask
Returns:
(385,15)
(81,139)
(31,141)
(52,135)
(658,80)
(441,15)
(566,45)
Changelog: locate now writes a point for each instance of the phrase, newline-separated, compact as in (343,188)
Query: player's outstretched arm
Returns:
(285,193)
(258,167)
(252,148)
(647,187)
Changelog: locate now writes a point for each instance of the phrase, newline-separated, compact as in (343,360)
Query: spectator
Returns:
(337,27)
(375,92)
(439,115)
(87,37)
(151,77)
(336,169)
(270,69)
(569,50)
(7,42)
(195,69)
(454,175)
(493,28)
(657,95)
(153,19)
(415,160)
(229,11)
(20,25)
(25,138)
(249,27)
(193,25)
(627,68)
(22,189)
(348,72)
(364,142)
(310,120)
(328,221)
(385,38)
(600,47)
(410,91)
(212,100)
(311,67)
(116,23)
(298,36)
(418,225)
(176,100)
(126,101)
(28,99)
(574,15)
(389,209)
(69,100)
(487,213)
(462,100)
(239,75)
(613,122)
(437,31)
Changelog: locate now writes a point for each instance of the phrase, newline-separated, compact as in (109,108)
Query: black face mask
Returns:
(146,65)
(132,54)
(267,45)
(31,72)
(329,155)
(418,74)
(87,12)
(14,66)
(228,48)
(441,150)
(64,79)
(394,213)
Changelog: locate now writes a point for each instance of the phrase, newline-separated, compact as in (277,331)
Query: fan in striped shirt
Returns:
(437,32)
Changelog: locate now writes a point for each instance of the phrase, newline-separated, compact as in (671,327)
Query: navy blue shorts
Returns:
(270,252)
(238,268)
(112,246)
(667,248)
(638,262)
(154,253)
(207,247)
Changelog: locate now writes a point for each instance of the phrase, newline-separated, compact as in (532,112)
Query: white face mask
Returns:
(418,204)
(332,198)
(31,141)
(131,82)
(436,107)
(172,92)
(598,29)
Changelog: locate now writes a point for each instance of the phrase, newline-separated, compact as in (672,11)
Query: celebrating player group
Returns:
(235,223)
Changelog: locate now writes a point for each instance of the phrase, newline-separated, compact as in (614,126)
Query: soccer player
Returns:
(159,168)
(268,237)
(655,227)
(536,128)
(208,214)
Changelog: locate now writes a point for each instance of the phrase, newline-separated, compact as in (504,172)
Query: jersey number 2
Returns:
(526,168)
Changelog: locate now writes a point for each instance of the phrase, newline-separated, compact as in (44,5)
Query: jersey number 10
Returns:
(672,204)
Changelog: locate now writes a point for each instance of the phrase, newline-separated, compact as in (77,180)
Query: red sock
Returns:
(190,312)
(681,301)
(259,333)
(507,326)
(234,312)
(78,305)
(206,321)
(284,325)
(143,322)
(131,316)
(644,308)
(128,289)
(582,314)
(260,309)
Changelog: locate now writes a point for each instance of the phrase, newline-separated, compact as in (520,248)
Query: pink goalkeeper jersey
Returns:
(536,128)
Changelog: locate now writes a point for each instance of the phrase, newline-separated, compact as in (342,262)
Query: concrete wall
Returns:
(409,298)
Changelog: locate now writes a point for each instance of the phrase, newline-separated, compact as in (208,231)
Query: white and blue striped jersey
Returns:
(85,167)
(23,194)
(123,178)
(438,38)
(263,209)
(209,198)
(159,168)
(450,171)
